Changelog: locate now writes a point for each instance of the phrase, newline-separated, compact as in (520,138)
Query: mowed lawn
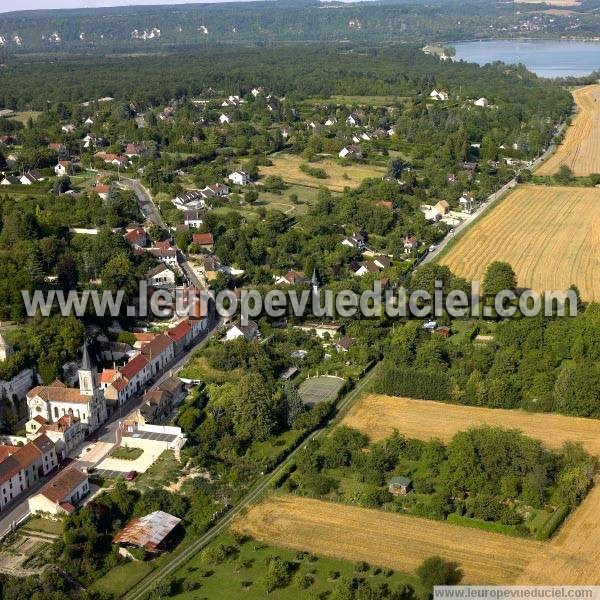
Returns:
(550,236)
(580,149)
(287,166)
(386,539)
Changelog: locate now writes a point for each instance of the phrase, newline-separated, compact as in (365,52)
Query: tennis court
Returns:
(320,389)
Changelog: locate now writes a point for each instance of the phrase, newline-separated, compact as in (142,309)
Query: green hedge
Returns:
(485,525)
(553,523)
(426,384)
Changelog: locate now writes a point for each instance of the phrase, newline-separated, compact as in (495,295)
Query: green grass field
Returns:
(43,526)
(119,580)
(360,100)
(124,453)
(24,116)
(339,176)
(242,575)
(307,196)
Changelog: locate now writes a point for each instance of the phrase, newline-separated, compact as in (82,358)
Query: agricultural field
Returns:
(580,150)
(287,166)
(573,555)
(549,235)
(402,542)
(386,539)
(378,416)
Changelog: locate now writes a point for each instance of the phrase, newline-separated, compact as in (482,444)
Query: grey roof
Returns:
(403,481)
(86,363)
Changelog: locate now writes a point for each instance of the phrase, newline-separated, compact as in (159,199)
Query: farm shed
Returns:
(399,486)
(149,532)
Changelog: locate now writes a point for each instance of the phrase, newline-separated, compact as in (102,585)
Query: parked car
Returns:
(131,476)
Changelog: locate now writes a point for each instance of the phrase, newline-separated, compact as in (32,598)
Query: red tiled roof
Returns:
(133,367)
(157,346)
(108,375)
(61,486)
(54,393)
(180,331)
(203,239)
(6,451)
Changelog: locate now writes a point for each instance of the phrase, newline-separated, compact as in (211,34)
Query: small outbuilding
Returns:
(400,486)
(151,532)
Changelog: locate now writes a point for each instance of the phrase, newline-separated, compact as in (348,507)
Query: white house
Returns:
(354,241)
(66,433)
(249,332)
(224,119)
(439,95)
(483,102)
(467,200)
(350,152)
(193,218)
(61,494)
(70,128)
(331,122)
(240,178)
(353,120)
(62,168)
(22,466)
(161,277)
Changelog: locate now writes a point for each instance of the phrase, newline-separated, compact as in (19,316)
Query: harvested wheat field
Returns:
(386,539)
(378,416)
(580,149)
(573,555)
(402,542)
(550,236)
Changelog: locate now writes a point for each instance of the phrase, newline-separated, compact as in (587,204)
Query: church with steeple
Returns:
(86,403)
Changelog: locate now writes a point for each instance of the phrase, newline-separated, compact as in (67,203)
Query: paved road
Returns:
(147,206)
(488,203)
(151,212)
(179,559)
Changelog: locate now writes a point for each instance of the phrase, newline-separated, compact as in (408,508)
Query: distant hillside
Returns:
(156,29)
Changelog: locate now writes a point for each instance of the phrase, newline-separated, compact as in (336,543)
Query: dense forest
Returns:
(310,71)
(156,29)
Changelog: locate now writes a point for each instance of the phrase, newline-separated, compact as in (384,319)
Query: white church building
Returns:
(87,402)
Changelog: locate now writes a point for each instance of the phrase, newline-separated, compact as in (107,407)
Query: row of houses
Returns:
(23,466)
(119,385)
(28,178)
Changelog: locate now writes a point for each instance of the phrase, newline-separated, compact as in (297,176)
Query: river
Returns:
(546,58)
